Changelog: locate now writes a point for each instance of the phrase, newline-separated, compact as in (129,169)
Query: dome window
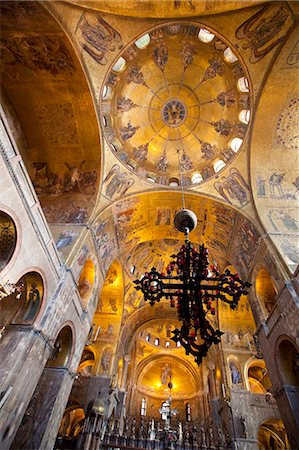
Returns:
(151,179)
(205,35)
(107,92)
(143,41)
(167,344)
(219,165)
(157,342)
(243,84)
(229,56)
(196,178)
(236,144)
(173,182)
(244,116)
(119,65)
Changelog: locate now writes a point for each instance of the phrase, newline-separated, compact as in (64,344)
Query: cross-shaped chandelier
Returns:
(192,285)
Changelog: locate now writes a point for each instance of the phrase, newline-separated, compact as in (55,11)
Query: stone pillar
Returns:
(24,353)
(42,418)
(125,372)
(287,398)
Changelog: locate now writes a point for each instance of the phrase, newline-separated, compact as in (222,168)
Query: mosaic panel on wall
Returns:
(275,156)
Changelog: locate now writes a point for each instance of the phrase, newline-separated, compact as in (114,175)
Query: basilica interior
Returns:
(116,116)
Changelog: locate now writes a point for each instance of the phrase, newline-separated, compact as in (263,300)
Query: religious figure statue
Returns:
(235,374)
(33,303)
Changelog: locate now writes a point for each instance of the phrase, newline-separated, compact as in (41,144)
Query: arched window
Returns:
(8,239)
(258,378)
(143,407)
(143,41)
(86,363)
(288,359)
(243,84)
(62,348)
(229,56)
(188,412)
(23,305)
(218,165)
(196,178)
(205,35)
(236,144)
(119,65)
(265,290)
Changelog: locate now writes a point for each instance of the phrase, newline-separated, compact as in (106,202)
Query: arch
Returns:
(265,290)
(66,180)
(23,305)
(257,377)
(170,360)
(87,362)
(274,179)
(71,426)
(272,434)
(62,349)
(287,361)
(86,281)
(8,239)
(144,315)
(114,236)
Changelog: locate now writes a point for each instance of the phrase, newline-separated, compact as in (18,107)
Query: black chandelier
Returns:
(192,285)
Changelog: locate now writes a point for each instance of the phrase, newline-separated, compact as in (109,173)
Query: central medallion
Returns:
(174,113)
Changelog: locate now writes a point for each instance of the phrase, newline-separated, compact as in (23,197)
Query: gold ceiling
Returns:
(176,104)
(164,8)
(44,89)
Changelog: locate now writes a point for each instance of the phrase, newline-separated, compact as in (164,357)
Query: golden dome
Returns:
(175,104)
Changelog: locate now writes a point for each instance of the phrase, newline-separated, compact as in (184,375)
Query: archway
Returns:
(272,435)
(71,426)
(258,378)
(288,361)
(23,305)
(62,348)
(265,291)
(87,362)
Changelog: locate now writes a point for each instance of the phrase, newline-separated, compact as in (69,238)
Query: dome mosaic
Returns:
(175,105)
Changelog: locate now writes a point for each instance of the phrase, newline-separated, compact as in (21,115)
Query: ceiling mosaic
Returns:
(175,105)
(46,95)
(138,226)
(274,156)
(164,8)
